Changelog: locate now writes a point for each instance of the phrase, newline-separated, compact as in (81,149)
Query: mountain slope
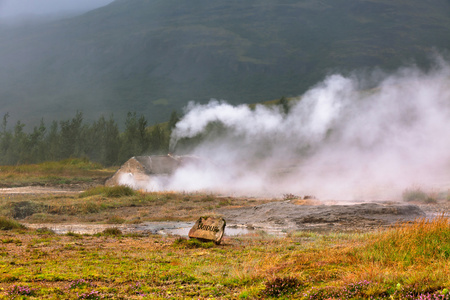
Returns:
(152,56)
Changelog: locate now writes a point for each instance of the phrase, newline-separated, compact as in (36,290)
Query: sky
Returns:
(29,10)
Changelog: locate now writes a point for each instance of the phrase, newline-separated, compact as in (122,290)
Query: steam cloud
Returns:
(339,141)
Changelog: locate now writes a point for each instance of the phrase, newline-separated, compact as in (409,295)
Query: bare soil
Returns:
(287,216)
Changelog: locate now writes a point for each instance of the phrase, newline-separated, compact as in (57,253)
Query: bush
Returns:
(282,286)
(192,243)
(17,290)
(23,209)
(414,195)
(115,220)
(112,231)
(119,191)
(109,191)
(45,230)
(8,224)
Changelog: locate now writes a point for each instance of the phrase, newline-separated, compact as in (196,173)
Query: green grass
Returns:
(418,195)
(113,231)
(9,224)
(107,191)
(411,243)
(69,171)
(192,243)
(299,266)
(115,205)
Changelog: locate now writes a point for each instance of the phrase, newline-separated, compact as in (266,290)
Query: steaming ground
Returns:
(347,138)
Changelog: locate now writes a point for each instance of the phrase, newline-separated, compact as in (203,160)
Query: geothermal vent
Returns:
(148,172)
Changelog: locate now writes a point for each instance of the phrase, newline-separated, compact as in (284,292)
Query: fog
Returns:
(17,11)
(340,140)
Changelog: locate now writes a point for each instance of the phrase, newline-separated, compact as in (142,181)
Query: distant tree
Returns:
(17,151)
(174,119)
(5,140)
(71,136)
(284,104)
(5,122)
(102,141)
(52,142)
(38,148)
(111,143)
(143,138)
(159,139)
(134,140)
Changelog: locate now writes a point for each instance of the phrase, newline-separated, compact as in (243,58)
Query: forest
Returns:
(100,141)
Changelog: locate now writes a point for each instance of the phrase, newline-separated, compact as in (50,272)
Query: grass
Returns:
(68,171)
(115,205)
(408,244)
(108,191)
(9,224)
(191,243)
(418,195)
(407,261)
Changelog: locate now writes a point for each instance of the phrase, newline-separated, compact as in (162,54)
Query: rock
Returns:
(208,229)
(291,217)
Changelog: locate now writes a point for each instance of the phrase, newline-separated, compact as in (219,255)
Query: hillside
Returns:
(152,56)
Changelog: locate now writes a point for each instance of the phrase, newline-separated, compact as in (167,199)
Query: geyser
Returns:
(340,140)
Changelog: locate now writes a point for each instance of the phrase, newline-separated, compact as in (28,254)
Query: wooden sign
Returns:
(208,229)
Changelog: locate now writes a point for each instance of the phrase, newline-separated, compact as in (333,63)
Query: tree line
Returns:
(100,141)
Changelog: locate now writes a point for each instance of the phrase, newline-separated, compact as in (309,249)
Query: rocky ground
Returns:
(274,216)
(286,216)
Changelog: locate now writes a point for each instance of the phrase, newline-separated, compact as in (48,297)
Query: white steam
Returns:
(339,140)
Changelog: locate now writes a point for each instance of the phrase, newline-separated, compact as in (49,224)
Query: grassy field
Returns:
(69,172)
(115,205)
(408,261)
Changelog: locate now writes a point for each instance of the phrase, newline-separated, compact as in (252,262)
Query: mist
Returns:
(22,11)
(339,141)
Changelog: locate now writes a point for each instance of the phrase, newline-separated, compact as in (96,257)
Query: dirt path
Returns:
(36,190)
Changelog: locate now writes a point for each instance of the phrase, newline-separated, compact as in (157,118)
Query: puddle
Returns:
(163,228)
(184,231)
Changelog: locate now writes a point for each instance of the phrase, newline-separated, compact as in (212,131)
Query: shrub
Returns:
(282,286)
(79,283)
(208,198)
(92,295)
(17,290)
(192,243)
(112,231)
(23,209)
(119,191)
(8,224)
(45,230)
(289,196)
(416,194)
(109,191)
(115,220)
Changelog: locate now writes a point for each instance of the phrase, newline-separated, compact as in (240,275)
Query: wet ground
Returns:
(286,216)
(279,217)
(164,228)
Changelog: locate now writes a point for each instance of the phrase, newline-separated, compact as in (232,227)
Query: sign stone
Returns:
(208,229)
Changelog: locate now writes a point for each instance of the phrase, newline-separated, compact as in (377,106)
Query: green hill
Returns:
(152,56)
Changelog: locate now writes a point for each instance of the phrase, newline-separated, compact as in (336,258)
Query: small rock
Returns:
(208,229)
